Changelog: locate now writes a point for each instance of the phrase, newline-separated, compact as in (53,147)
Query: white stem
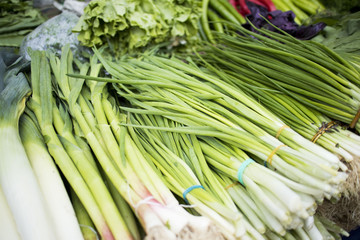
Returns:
(302,235)
(174,220)
(308,201)
(249,210)
(22,190)
(271,222)
(287,196)
(153,226)
(252,231)
(199,224)
(312,230)
(225,227)
(8,229)
(298,187)
(268,211)
(314,148)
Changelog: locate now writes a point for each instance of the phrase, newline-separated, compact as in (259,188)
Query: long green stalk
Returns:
(310,123)
(56,197)
(87,227)
(183,175)
(305,68)
(279,123)
(125,211)
(301,118)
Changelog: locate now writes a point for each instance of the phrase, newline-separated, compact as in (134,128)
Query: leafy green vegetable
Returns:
(128,25)
(17,19)
(344,35)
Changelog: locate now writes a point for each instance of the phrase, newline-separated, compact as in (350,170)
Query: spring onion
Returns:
(307,71)
(56,198)
(170,95)
(87,227)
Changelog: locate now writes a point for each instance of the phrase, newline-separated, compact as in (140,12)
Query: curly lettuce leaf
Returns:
(129,25)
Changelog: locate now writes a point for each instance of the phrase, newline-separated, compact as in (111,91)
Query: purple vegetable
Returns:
(260,18)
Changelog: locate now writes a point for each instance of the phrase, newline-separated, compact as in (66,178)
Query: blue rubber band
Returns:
(189,190)
(242,169)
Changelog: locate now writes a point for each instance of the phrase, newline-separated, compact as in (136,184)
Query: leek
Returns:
(17,178)
(8,229)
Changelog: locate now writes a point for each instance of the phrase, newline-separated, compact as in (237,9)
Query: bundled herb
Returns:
(310,123)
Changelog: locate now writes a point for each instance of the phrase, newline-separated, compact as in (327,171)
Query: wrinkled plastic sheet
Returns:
(53,35)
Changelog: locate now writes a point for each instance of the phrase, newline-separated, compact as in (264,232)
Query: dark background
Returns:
(354,235)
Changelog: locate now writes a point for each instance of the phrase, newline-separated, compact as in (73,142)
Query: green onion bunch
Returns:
(299,173)
(310,123)
(300,116)
(182,164)
(161,136)
(177,149)
(307,71)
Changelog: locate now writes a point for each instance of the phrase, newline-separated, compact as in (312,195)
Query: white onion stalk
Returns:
(8,229)
(17,178)
(312,230)
(154,227)
(56,197)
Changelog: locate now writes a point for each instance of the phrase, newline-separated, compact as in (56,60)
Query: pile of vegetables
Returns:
(131,26)
(242,133)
